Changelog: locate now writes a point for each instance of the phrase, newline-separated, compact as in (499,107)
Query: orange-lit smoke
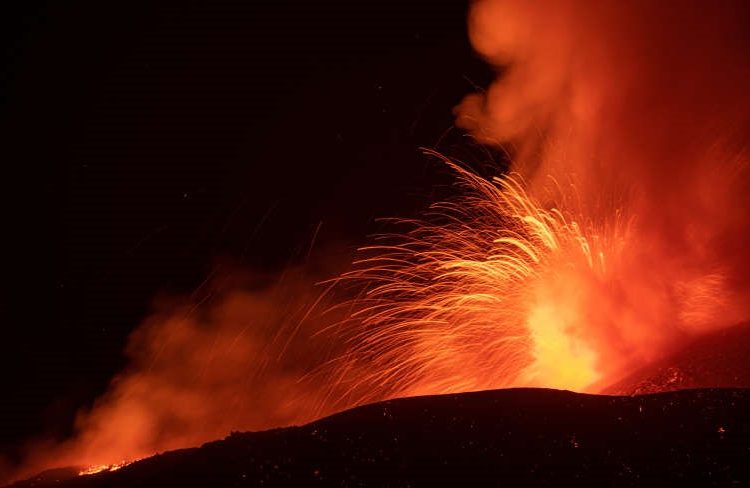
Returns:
(235,357)
(629,111)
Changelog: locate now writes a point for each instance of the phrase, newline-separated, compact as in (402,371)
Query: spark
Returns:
(482,293)
(100,468)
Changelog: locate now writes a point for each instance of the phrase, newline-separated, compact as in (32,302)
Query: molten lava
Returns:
(486,292)
(493,290)
(101,468)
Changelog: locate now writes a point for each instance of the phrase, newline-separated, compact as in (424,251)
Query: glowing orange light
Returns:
(104,467)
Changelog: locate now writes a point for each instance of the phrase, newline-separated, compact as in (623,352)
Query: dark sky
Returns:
(142,142)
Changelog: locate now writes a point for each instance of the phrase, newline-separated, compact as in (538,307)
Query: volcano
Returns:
(718,359)
(669,422)
(562,312)
(512,437)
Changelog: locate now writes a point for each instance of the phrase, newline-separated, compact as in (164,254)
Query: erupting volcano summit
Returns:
(599,246)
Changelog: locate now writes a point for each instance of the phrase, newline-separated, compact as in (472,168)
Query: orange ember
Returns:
(487,292)
(100,468)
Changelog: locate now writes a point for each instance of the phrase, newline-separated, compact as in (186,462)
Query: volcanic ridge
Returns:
(510,437)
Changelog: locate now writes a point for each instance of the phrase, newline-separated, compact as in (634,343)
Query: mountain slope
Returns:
(508,437)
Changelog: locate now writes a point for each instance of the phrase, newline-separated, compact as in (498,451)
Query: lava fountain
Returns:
(494,289)
(485,292)
(618,236)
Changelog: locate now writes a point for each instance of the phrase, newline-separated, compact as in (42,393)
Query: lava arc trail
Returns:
(617,237)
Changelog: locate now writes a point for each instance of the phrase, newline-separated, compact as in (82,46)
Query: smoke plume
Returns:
(243,355)
(639,112)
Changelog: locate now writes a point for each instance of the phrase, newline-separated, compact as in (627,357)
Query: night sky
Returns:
(144,143)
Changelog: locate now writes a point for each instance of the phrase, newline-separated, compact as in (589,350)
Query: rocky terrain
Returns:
(509,437)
